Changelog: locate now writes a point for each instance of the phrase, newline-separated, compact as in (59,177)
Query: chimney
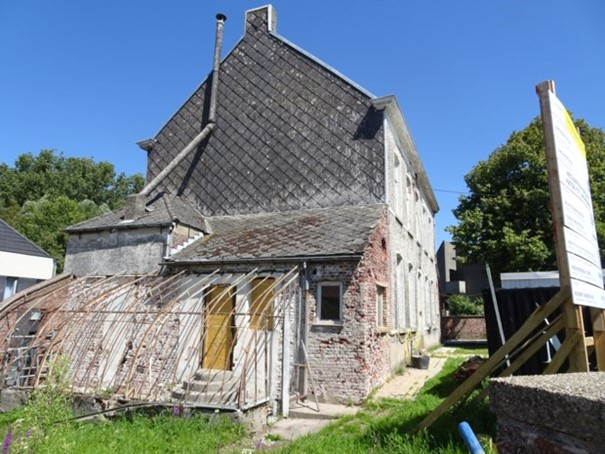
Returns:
(135,207)
(261,19)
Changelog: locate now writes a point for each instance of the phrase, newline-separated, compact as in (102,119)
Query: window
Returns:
(329,302)
(10,288)
(381,308)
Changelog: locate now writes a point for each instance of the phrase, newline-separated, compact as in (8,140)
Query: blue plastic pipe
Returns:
(469,438)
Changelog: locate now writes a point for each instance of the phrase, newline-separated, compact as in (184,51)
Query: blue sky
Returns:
(91,78)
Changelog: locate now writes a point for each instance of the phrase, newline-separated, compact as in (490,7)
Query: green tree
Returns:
(505,219)
(43,194)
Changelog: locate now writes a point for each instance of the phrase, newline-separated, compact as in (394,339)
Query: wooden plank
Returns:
(567,347)
(530,325)
(552,329)
(598,330)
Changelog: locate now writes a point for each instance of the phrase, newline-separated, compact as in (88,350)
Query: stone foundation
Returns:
(552,414)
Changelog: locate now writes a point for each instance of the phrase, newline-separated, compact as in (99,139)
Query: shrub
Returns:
(465,305)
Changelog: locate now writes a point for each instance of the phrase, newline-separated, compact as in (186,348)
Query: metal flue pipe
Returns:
(207,130)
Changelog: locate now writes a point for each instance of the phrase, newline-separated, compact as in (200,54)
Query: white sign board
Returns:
(570,175)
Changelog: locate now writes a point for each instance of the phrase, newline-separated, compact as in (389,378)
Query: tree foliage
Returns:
(43,194)
(505,219)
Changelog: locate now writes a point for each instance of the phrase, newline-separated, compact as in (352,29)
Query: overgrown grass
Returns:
(385,425)
(382,426)
(144,434)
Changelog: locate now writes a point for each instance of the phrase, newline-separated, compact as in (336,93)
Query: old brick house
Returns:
(288,221)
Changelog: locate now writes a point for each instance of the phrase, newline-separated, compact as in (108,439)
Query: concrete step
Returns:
(211,375)
(202,398)
(209,387)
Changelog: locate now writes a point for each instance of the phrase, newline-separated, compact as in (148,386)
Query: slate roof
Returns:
(291,134)
(162,209)
(13,241)
(337,231)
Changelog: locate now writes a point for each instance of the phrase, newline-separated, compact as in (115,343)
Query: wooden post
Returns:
(574,323)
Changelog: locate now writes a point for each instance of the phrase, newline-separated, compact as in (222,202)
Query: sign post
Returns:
(578,256)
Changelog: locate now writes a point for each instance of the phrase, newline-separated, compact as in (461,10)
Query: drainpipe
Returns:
(206,131)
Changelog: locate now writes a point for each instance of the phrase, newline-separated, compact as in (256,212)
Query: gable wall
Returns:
(136,251)
(290,134)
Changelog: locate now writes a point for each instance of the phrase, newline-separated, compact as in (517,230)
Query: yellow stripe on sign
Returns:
(574,133)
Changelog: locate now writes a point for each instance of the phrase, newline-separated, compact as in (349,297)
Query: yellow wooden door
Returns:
(261,303)
(220,335)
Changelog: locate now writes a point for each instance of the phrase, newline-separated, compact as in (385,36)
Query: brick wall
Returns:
(463,328)
(351,358)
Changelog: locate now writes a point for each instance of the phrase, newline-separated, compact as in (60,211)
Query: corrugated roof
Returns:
(299,233)
(13,241)
(162,209)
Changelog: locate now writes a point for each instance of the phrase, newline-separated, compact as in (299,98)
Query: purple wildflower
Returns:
(8,439)
(176,410)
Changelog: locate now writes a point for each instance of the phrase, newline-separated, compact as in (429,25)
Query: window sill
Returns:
(383,330)
(327,323)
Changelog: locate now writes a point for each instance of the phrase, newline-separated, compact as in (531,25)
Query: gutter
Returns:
(317,258)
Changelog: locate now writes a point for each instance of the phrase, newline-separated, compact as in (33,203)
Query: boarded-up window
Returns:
(261,303)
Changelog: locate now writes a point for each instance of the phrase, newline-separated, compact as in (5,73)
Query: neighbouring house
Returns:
(458,278)
(22,263)
(282,247)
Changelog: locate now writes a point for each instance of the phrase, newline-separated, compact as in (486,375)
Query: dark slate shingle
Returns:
(291,134)
(13,241)
(299,233)
(163,209)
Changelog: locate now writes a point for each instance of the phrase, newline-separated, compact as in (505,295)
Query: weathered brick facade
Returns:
(463,328)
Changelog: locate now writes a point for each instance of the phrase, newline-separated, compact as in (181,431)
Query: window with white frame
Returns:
(329,302)
(381,307)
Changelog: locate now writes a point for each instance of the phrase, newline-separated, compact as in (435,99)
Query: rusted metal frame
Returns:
(232,285)
(283,295)
(168,308)
(65,329)
(246,348)
(35,304)
(193,291)
(143,340)
(91,318)
(21,302)
(165,285)
(207,281)
(123,321)
(92,321)
(22,297)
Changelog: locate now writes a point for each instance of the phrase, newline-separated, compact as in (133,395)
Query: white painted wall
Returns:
(26,266)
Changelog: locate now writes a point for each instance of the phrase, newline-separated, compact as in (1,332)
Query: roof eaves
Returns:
(394,113)
(124,226)
(281,259)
